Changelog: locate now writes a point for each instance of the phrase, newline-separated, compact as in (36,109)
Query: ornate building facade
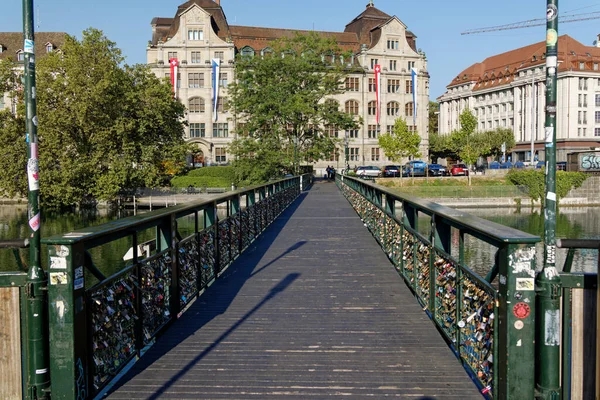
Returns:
(199,33)
(509,91)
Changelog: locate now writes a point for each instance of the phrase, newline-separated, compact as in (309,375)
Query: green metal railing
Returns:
(579,311)
(97,330)
(490,323)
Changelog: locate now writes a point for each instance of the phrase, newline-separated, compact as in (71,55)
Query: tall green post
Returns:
(38,377)
(346,139)
(548,281)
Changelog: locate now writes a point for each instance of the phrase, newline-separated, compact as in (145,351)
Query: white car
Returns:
(368,170)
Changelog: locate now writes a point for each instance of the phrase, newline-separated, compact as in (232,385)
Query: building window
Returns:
(220,55)
(372,108)
(393,108)
(197,105)
(597,115)
(393,86)
(334,156)
(195,34)
(393,65)
(596,131)
(49,48)
(266,52)
(374,62)
(375,154)
(352,84)
(222,104)
(389,129)
(221,130)
(581,65)
(393,44)
(353,153)
(171,55)
(195,80)
(585,117)
(352,107)
(595,66)
(20,56)
(578,132)
(220,154)
(372,85)
(247,51)
(597,100)
(408,109)
(223,79)
(583,84)
(1,49)
(372,132)
(197,130)
(411,65)
(352,134)
(195,57)
(585,100)
(331,131)
(408,86)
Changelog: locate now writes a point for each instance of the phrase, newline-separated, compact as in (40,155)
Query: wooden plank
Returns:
(10,345)
(583,364)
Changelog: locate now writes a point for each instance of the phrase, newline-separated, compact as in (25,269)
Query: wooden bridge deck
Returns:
(313,309)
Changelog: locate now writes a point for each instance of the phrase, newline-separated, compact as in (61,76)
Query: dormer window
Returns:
(195,34)
(20,55)
(49,47)
(247,51)
(1,49)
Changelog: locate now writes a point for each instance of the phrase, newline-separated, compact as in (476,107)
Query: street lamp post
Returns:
(548,281)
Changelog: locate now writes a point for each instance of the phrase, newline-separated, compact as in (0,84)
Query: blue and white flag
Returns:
(415,86)
(216,73)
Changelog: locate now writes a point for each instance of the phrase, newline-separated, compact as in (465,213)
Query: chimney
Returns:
(598,40)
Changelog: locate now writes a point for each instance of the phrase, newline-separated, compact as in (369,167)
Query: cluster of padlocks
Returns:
(234,235)
(207,256)
(156,294)
(475,327)
(187,261)
(224,243)
(113,316)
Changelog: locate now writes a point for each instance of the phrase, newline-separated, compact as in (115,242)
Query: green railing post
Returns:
(236,209)
(69,361)
(38,377)
(516,323)
(548,280)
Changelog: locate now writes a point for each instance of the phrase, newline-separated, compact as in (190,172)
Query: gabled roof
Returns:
(12,42)
(486,74)
(259,38)
(166,28)
(368,20)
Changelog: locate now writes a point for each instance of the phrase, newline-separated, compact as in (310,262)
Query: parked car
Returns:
(520,164)
(506,165)
(391,171)
(561,166)
(415,168)
(494,165)
(436,170)
(368,170)
(540,164)
(459,169)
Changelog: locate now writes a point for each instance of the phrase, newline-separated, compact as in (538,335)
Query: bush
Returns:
(214,172)
(535,182)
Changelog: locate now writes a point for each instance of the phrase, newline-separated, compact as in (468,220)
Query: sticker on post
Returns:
(28,46)
(525,284)
(62,251)
(549,134)
(78,272)
(58,278)
(551,37)
(33,174)
(58,263)
(34,223)
(78,284)
(552,328)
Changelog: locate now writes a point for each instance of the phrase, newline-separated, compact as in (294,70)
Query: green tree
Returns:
(440,146)
(400,142)
(467,144)
(283,101)
(434,117)
(496,138)
(104,127)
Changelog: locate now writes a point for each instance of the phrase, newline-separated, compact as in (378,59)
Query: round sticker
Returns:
(551,37)
(521,310)
(551,12)
(519,325)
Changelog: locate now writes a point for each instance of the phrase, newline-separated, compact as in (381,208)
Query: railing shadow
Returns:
(215,301)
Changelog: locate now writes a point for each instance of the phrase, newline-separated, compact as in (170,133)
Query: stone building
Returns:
(509,91)
(11,46)
(199,33)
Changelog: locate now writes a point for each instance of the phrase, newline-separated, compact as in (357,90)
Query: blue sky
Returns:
(437,23)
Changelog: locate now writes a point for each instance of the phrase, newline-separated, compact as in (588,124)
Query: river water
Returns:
(572,223)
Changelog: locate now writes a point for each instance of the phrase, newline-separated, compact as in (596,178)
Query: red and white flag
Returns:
(174,72)
(378,90)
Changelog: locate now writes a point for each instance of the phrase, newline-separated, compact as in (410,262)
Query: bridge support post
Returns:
(516,323)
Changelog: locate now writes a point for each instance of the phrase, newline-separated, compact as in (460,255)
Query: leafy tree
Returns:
(496,138)
(103,127)
(283,100)
(468,145)
(434,117)
(400,142)
(440,146)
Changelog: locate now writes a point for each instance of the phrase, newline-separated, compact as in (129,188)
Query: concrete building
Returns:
(11,46)
(199,32)
(509,91)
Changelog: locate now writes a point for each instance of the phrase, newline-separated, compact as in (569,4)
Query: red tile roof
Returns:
(13,41)
(502,68)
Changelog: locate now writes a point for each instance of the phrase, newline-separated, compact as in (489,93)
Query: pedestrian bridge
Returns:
(300,290)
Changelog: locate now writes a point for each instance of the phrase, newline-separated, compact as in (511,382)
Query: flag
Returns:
(415,86)
(378,90)
(174,72)
(216,72)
